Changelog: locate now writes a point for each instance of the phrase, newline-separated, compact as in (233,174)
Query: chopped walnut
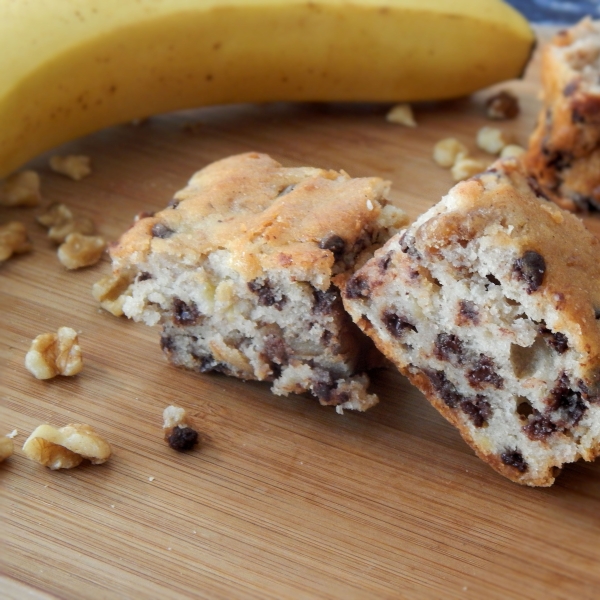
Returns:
(7,447)
(401,114)
(492,140)
(74,166)
(512,151)
(446,152)
(178,433)
(467,167)
(79,250)
(61,222)
(13,240)
(111,291)
(66,447)
(502,105)
(53,354)
(21,189)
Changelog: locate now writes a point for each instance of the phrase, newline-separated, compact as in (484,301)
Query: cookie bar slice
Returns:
(238,271)
(564,149)
(489,303)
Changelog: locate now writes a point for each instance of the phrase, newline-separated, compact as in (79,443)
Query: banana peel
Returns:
(71,67)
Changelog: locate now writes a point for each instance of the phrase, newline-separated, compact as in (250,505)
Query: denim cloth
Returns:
(557,12)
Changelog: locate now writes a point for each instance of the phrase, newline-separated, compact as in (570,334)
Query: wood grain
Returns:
(284,499)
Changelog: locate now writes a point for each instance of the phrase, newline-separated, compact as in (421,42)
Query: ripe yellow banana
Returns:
(69,67)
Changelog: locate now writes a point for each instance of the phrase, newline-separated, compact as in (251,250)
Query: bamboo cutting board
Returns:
(284,499)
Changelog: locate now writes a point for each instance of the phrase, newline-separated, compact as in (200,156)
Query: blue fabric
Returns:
(557,12)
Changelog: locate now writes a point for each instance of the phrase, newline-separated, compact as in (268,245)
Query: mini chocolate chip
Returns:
(567,402)
(513,458)
(539,427)
(207,363)
(357,287)
(444,388)
(570,88)
(467,312)
(384,263)
(334,243)
(183,438)
(556,340)
(266,296)
(482,373)
(322,385)
(184,314)
(531,268)
(536,188)
(326,337)
(275,349)
(396,324)
(448,346)
(407,245)
(492,279)
(143,276)
(160,230)
(324,301)
(167,343)
(477,409)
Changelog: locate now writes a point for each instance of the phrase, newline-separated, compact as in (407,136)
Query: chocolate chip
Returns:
(143,276)
(207,363)
(324,301)
(407,245)
(357,287)
(444,388)
(266,296)
(482,373)
(502,105)
(275,349)
(556,340)
(539,427)
(477,409)
(334,243)
(467,312)
(513,458)
(566,402)
(531,268)
(492,279)
(536,188)
(396,324)
(184,314)
(322,385)
(160,230)
(384,263)
(182,438)
(570,88)
(448,346)
(167,343)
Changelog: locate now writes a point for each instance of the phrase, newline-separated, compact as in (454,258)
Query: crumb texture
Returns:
(238,271)
(489,304)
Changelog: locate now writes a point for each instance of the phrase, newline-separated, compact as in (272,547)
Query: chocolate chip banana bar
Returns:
(238,271)
(490,304)
(564,149)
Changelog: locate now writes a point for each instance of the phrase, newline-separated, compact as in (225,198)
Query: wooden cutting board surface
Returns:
(284,498)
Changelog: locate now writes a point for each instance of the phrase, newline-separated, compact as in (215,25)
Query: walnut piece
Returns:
(512,151)
(53,354)
(178,433)
(466,167)
(492,140)
(66,447)
(502,105)
(13,240)
(402,114)
(61,222)
(111,291)
(21,189)
(7,447)
(74,166)
(446,152)
(80,250)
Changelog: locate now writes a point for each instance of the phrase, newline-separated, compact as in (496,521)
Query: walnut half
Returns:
(66,447)
(53,354)
(13,240)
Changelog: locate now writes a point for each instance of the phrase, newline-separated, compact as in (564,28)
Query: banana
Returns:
(71,67)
